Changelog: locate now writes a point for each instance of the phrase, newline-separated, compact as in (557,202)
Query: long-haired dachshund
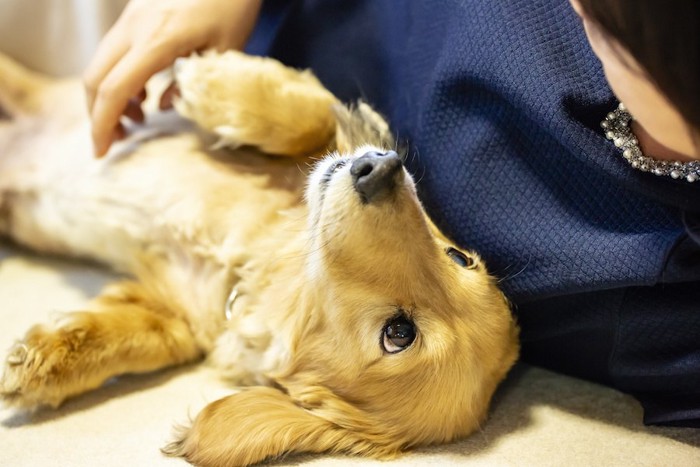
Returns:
(316,282)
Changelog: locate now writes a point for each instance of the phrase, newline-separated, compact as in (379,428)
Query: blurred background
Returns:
(56,37)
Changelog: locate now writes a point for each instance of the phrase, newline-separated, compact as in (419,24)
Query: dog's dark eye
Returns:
(399,333)
(460,258)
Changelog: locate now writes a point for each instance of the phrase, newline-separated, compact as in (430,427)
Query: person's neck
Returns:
(652,148)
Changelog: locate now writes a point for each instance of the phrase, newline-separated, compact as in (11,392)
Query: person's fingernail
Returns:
(100,151)
(102,147)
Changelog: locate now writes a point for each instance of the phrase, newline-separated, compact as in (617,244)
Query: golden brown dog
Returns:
(356,325)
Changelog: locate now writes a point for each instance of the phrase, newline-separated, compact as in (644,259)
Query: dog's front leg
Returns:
(127,331)
(256,101)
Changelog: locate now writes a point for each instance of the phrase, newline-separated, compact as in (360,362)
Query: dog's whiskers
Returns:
(512,276)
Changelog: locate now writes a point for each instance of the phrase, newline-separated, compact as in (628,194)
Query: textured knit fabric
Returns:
(500,102)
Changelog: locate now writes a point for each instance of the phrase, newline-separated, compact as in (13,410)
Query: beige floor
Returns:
(539,418)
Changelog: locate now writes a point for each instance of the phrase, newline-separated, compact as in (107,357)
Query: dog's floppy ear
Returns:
(256,424)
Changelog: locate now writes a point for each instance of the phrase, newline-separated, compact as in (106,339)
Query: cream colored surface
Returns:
(56,37)
(538,418)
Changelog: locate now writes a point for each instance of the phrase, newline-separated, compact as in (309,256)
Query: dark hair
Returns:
(664,38)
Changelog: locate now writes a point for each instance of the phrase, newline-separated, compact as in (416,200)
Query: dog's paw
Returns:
(255,101)
(42,369)
(24,377)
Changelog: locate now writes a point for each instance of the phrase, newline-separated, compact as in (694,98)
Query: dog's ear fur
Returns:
(359,125)
(262,423)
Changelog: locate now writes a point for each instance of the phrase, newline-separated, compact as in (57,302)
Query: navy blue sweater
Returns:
(500,102)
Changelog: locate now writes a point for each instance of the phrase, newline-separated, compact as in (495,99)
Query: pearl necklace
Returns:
(617,129)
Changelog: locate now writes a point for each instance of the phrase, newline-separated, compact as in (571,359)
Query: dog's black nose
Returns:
(374,174)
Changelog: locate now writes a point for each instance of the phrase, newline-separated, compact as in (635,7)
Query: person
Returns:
(147,38)
(588,211)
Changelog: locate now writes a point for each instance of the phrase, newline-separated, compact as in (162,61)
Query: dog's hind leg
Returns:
(128,330)
(19,88)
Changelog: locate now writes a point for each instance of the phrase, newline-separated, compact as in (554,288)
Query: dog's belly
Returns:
(166,192)
(166,203)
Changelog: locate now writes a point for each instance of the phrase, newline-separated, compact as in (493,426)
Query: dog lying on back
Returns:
(316,280)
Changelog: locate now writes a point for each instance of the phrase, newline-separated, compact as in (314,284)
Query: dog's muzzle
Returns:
(374,175)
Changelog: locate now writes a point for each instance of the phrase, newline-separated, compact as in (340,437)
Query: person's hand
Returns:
(147,38)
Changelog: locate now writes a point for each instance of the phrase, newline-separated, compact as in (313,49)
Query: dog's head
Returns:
(399,338)
(410,335)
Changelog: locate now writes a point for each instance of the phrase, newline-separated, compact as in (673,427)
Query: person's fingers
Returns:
(119,132)
(126,79)
(112,48)
(166,99)
(141,96)
(133,110)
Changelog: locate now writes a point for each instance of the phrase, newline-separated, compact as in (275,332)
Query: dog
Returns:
(270,229)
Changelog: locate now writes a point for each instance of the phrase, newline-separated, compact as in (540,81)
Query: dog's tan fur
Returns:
(316,279)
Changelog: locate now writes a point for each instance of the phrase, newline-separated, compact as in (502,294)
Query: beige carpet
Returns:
(538,419)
